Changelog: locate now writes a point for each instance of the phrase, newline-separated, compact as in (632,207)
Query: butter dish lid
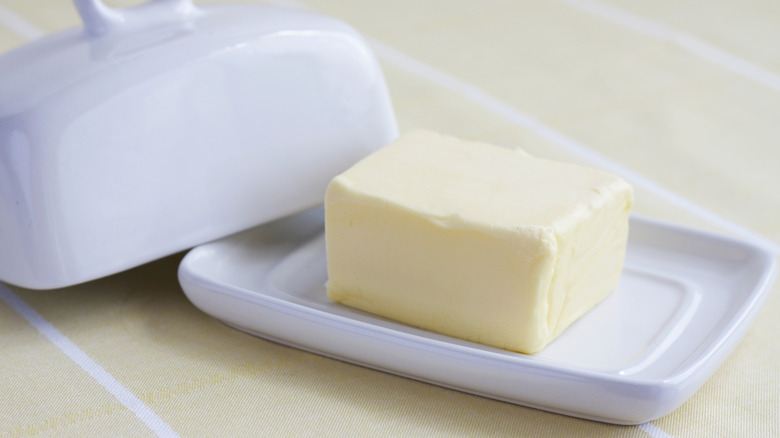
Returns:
(156,128)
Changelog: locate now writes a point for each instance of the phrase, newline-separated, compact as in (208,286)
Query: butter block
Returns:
(474,241)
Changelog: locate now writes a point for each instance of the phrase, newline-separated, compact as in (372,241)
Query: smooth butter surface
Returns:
(474,241)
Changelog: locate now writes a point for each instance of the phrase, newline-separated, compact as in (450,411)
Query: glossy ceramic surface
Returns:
(684,301)
(159,127)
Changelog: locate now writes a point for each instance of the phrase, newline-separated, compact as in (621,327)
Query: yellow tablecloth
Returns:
(680,97)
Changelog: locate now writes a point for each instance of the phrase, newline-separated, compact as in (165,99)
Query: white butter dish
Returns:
(684,301)
(163,126)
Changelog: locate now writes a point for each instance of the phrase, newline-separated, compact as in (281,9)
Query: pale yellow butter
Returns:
(474,241)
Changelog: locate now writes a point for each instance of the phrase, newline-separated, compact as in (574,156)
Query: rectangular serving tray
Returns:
(684,301)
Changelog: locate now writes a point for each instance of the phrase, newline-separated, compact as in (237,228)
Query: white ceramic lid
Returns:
(163,126)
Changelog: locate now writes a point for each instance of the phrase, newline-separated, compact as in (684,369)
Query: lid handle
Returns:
(99,19)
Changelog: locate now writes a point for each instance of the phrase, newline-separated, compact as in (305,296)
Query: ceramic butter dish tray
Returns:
(684,300)
(159,127)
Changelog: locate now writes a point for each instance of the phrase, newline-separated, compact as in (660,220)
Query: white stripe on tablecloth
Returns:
(653,430)
(517,117)
(688,42)
(18,24)
(85,362)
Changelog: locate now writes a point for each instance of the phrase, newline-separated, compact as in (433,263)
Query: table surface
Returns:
(682,98)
